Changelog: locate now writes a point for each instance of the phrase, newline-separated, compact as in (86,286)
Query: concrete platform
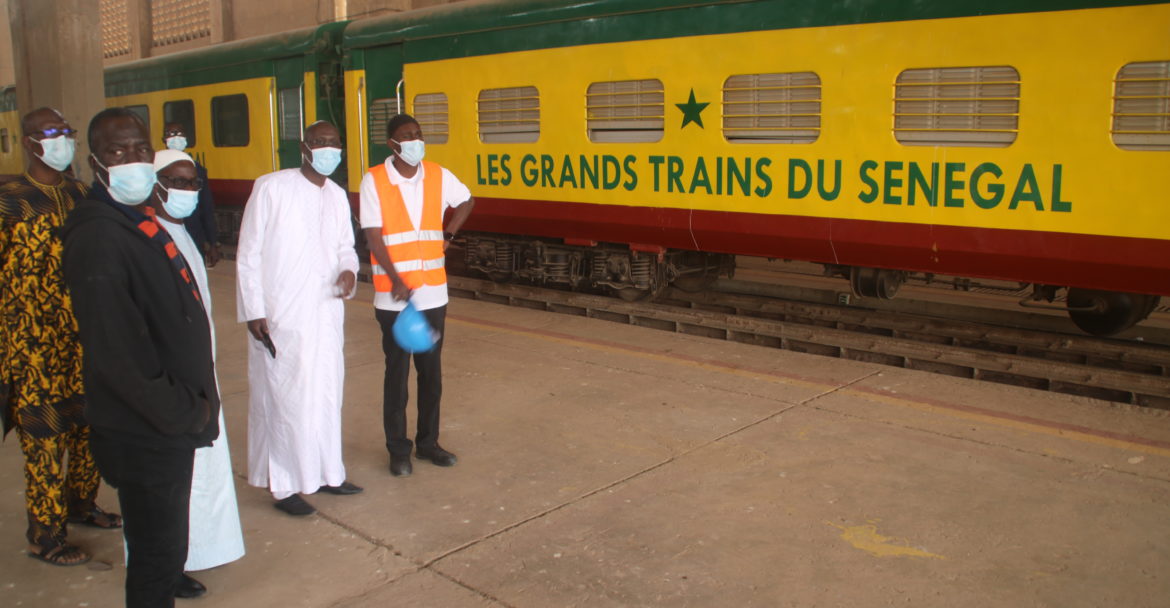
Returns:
(608,465)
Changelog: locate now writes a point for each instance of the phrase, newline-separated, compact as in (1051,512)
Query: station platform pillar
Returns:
(57,53)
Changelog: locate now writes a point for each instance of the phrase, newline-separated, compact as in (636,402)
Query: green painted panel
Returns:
(381,87)
(481,28)
(8,99)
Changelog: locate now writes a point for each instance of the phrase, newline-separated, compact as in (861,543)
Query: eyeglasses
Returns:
(182,183)
(173,133)
(52,132)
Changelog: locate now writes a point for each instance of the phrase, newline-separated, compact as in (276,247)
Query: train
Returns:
(629,145)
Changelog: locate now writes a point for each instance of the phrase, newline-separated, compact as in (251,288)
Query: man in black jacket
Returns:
(147,370)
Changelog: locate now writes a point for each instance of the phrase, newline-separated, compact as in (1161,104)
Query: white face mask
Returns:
(178,142)
(413,151)
(57,152)
(129,184)
(180,204)
(325,160)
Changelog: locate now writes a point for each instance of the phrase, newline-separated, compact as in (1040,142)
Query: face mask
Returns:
(325,160)
(129,184)
(177,142)
(57,152)
(180,203)
(412,152)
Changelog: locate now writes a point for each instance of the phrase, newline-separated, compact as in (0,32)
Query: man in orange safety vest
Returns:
(403,201)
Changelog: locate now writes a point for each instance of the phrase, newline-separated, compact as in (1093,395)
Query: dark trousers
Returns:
(395,392)
(154,492)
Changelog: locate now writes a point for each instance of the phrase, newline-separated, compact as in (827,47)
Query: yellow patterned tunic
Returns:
(40,355)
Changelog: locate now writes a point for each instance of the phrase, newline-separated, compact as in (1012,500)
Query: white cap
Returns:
(168,157)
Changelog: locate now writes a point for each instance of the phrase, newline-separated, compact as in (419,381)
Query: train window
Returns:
(381,111)
(510,115)
(182,112)
(969,106)
(627,111)
(143,112)
(1141,106)
(290,114)
(772,108)
(430,110)
(4,145)
(229,121)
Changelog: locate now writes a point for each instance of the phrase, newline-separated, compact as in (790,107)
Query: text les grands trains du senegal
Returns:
(938,184)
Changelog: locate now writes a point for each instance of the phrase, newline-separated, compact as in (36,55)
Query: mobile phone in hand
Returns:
(267,340)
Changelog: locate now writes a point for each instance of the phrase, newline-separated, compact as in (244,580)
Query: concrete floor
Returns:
(608,465)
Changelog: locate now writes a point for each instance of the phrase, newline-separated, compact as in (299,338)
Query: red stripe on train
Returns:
(1101,262)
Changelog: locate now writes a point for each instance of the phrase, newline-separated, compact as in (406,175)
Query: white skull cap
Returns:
(168,157)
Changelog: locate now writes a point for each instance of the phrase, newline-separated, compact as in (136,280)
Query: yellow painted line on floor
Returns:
(867,539)
(953,410)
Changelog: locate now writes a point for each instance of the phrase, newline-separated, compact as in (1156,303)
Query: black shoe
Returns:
(345,489)
(189,588)
(295,505)
(436,455)
(400,466)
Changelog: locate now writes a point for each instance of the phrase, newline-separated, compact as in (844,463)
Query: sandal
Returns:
(98,518)
(60,554)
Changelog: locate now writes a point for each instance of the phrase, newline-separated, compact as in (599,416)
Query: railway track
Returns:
(1112,370)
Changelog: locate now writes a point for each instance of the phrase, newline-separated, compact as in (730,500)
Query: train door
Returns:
(383,73)
(290,110)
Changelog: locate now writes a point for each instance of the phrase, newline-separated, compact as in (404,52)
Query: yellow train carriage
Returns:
(1054,75)
(244,104)
(237,145)
(1020,141)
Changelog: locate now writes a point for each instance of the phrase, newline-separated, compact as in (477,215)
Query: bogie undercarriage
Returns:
(631,273)
(636,272)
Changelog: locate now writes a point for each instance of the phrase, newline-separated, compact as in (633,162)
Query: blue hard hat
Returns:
(412,332)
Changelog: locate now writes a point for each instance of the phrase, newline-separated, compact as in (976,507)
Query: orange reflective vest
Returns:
(417,255)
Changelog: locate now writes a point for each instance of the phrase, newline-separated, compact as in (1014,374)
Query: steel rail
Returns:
(1099,368)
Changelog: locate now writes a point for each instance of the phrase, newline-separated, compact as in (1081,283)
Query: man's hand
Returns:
(258,327)
(399,290)
(259,330)
(344,285)
(212,254)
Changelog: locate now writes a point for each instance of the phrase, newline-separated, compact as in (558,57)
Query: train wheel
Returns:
(1105,313)
(875,282)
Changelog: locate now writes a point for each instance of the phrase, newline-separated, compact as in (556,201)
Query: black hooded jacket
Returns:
(148,371)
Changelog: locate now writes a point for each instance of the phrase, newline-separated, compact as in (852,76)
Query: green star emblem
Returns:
(692,111)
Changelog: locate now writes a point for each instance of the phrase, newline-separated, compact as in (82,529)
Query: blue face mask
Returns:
(57,152)
(129,184)
(177,142)
(412,152)
(325,160)
(180,203)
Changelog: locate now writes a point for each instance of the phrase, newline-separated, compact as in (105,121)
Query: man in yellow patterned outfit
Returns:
(40,355)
